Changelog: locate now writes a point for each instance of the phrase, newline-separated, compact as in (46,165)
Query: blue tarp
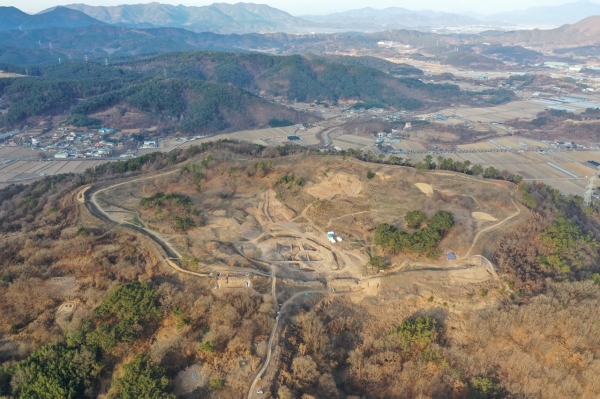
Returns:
(450,256)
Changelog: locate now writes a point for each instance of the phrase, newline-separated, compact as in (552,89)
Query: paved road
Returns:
(512,150)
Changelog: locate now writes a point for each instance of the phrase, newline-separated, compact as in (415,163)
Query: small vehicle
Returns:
(260,391)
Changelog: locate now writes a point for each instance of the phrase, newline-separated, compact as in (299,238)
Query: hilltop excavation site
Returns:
(298,230)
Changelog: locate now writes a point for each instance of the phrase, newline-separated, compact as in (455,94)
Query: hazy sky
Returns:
(303,7)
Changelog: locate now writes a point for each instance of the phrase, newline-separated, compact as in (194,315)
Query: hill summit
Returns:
(12,18)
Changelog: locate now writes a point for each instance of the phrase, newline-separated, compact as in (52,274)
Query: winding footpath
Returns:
(273,337)
(480,232)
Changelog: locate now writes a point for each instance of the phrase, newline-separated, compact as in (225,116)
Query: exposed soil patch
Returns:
(189,379)
(338,184)
(483,216)
(425,188)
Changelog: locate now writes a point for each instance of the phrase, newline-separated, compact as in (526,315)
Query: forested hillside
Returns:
(300,78)
(212,91)
(80,89)
(371,62)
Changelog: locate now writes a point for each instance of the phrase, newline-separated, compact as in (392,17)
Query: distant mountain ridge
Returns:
(218,18)
(260,18)
(569,13)
(11,18)
(584,33)
(394,17)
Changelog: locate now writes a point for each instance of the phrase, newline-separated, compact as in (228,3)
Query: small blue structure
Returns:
(450,256)
(307,293)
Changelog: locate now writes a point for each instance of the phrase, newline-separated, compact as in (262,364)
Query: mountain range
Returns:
(583,33)
(241,18)
(392,18)
(13,18)
(261,18)
(217,18)
(549,15)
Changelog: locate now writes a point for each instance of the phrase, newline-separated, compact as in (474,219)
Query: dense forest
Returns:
(84,88)
(422,240)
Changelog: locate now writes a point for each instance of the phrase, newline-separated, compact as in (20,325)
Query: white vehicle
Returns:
(260,391)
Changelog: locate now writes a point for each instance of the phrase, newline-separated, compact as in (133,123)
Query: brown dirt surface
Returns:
(483,216)
(337,184)
(425,188)
(245,214)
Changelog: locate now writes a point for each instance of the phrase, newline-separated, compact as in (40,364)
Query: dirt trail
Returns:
(347,215)
(179,269)
(493,227)
(272,339)
(265,207)
(81,194)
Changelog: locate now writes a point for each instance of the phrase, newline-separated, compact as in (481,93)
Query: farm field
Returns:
(533,166)
(17,152)
(500,113)
(409,145)
(273,136)
(25,171)
(522,109)
(347,141)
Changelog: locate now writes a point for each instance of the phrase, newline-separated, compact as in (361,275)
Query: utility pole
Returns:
(50,45)
(106,62)
(59,61)
(165,72)
(85,57)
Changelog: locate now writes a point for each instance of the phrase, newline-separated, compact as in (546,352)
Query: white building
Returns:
(150,144)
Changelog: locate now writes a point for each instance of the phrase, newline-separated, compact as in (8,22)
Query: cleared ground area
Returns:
(275,136)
